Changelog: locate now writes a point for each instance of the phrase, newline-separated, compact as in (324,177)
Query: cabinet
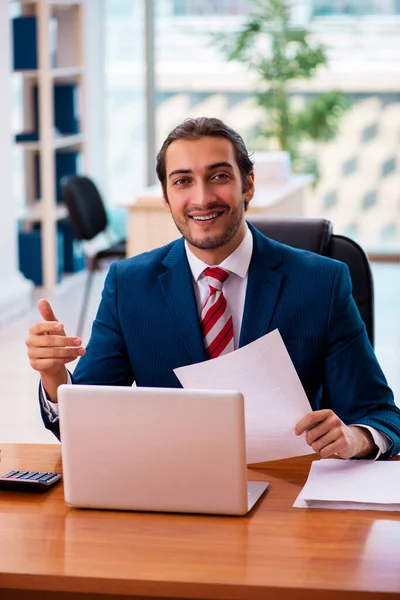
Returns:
(48,55)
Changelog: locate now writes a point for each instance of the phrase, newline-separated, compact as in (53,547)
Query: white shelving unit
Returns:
(51,2)
(69,68)
(57,143)
(58,73)
(33,213)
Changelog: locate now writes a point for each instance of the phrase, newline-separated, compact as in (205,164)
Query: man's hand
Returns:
(49,349)
(328,435)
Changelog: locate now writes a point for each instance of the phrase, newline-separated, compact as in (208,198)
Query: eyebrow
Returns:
(208,168)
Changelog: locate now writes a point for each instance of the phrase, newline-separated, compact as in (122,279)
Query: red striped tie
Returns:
(216,319)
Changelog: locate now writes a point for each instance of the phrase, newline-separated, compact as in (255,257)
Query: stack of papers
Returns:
(351,484)
(274,397)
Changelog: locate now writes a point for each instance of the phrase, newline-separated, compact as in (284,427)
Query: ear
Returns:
(249,193)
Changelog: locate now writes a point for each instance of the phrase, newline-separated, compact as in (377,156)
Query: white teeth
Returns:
(208,218)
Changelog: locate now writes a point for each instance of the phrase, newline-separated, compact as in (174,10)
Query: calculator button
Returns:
(10,474)
(36,476)
(22,474)
(28,475)
(46,477)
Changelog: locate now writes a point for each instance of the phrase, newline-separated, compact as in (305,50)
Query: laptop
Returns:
(155,449)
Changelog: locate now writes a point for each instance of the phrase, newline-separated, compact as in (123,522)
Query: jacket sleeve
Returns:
(355,387)
(52,424)
(106,361)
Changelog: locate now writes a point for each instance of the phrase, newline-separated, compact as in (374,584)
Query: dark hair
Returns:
(193,129)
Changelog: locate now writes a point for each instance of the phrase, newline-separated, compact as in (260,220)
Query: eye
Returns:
(220,176)
(181,181)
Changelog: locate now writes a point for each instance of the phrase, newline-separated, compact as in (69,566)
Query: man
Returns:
(167,308)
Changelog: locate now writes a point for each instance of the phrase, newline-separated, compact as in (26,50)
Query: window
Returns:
(322,8)
(210,7)
(125,99)
(359,176)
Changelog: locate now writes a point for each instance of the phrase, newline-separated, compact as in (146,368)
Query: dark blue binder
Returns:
(66,164)
(30,255)
(27,136)
(24,43)
(65,108)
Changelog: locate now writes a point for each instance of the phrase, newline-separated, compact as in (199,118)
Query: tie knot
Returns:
(216,277)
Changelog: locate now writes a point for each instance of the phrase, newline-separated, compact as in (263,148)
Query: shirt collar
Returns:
(237,262)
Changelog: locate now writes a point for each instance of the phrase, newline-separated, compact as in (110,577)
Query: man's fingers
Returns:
(47,327)
(310,420)
(64,353)
(46,312)
(319,430)
(337,448)
(47,364)
(43,365)
(329,450)
(54,341)
(322,442)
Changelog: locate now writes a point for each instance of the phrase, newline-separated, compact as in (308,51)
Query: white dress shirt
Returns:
(235,287)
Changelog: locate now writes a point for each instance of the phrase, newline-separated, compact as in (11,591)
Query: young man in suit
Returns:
(166,308)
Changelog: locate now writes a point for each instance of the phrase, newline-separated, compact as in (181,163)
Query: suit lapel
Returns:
(177,286)
(263,286)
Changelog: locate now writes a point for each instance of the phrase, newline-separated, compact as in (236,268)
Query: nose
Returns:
(201,195)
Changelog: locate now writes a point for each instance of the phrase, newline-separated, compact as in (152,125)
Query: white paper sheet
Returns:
(274,397)
(351,484)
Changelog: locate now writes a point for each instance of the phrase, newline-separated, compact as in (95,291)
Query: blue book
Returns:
(30,255)
(24,43)
(65,108)
(66,164)
(27,136)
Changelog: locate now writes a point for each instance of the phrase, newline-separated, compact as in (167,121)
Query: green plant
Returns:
(281,53)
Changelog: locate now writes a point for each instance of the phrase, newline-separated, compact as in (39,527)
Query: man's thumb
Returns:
(46,311)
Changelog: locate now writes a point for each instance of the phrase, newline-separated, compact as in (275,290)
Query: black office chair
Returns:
(317,236)
(88,218)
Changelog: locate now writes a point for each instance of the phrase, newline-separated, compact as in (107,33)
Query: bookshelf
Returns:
(57,143)
(57,73)
(48,56)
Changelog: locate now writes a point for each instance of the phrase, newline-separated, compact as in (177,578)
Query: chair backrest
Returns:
(85,206)
(348,251)
(316,235)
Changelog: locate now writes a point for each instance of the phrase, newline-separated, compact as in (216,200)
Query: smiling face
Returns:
(205,196)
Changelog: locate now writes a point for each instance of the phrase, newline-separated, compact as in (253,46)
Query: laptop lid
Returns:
(153,449)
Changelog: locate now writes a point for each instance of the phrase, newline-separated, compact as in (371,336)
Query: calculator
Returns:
(29,481)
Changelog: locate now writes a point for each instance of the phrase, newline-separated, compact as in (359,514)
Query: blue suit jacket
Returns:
(147,324)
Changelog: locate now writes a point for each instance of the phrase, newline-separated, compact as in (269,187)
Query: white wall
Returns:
(15,290)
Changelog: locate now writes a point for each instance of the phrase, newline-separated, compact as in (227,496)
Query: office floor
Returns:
(19,413)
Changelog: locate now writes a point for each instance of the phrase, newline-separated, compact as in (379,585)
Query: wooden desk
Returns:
(49,551)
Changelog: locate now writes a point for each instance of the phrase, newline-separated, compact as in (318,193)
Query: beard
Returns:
(212,242)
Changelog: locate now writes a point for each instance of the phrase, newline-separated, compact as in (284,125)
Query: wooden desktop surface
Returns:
(51,552)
